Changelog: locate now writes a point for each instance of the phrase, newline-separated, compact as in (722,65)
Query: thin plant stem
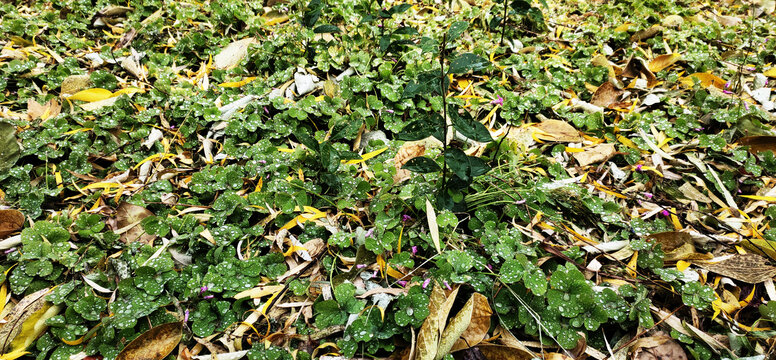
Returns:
(444,109)
(504,24)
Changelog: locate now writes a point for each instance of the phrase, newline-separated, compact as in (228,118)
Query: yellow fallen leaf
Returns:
(237,84)
(770,72)
(706,79)
(92,95)
(365,157)
(757,197)
(663,61)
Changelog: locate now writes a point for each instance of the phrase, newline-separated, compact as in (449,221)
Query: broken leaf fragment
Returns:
(154,344)
(557,130)
(749,268)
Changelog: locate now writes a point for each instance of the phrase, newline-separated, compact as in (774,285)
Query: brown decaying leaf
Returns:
(670,240)
(498,352)
(598,153)
(10,221)
(407,151)
(606,94)
(29,305)
(749,268)
(479,325)
(128,218)
(557,130)
(153,344)
(454,330)
(759,144)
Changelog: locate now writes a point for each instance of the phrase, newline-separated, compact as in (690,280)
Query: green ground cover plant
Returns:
(375,179)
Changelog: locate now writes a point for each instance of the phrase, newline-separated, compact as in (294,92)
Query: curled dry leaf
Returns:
(153,344)
(128,218)
(606,95)
(10,221)
(636,68)
(479,325)
(749,268)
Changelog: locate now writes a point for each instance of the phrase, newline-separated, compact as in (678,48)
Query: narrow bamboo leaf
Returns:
(433,228)
(454,330)
(326,29)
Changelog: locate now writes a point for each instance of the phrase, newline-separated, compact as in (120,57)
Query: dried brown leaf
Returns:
(636,68)
(428,337)
(606,95)
(659,346)
(646,33)
(10,221)
(749,268)
(128,218)
(759,144)
(75,83)
(153,344)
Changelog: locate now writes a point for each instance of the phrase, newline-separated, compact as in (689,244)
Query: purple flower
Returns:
(360,266)
(727,92)
(402,283)
(698,129)
(405,218)
(202,289)
(447,285)
(374,274)
(638,167)
(266,111)
(746,105)
(262,161)
(648,195)
(520,202)
(426,282)
(498,101)
(414,250)
(186,316)
(389,111)
(370,232)
(490,267)
(727,84)
(665,212)
(206,297)
(9,250)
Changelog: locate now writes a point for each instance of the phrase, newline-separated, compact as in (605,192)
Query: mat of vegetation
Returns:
(371,179)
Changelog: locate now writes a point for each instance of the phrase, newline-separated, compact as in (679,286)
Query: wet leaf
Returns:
(232,54)
(154,344)
(663,61)
(606,94)
(92,95)
(453,331)
(467,62)
(706,80)
(433,228)
(479,325)
(21,320)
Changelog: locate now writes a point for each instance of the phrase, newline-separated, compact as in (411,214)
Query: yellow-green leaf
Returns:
(454,330)
(154,344)
(92,95)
